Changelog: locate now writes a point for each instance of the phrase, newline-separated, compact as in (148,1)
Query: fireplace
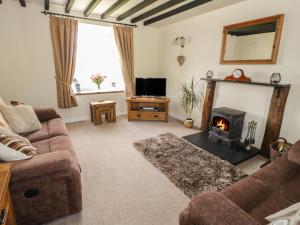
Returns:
(226,124)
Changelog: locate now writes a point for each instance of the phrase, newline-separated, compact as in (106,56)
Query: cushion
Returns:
(294,153)
(12,149)
(2,102)
(283,176)
(3,122)
(21,118)
(55,144)
(291,215)
(8,132)
(51,128)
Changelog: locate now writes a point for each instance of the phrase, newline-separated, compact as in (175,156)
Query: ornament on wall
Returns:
(180,41)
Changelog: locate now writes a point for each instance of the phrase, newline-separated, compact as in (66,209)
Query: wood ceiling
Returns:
(147,11)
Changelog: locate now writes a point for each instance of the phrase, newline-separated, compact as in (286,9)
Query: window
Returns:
(97,53)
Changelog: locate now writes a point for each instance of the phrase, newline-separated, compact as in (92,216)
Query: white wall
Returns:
(204,33)
(26,61)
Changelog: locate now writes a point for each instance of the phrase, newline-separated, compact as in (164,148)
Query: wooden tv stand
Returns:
(135,111)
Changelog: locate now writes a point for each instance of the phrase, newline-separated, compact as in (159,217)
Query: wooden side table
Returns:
(108,108)
(7,215)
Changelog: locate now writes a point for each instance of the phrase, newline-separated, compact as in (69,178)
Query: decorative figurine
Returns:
(77,85)
(210,74)
(275,78)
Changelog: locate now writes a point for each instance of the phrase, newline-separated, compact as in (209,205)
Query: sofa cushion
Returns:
(21,118)
(256,198)
(294,153)
(55,144)
(283,176)
(51,128)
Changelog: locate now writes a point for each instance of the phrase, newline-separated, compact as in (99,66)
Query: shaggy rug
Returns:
(190,168)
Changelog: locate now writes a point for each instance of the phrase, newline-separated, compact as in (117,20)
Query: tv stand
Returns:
(160,107)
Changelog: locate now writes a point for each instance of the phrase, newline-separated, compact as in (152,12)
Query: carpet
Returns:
(190,168)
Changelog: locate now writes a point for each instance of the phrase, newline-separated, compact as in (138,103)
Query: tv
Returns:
(150,86)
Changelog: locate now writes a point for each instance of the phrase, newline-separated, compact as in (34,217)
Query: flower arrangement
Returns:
(98,79)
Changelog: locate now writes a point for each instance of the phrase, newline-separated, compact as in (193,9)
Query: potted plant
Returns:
(98,79)
(188,101)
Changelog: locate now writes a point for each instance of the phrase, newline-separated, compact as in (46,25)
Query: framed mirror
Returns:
(252,42)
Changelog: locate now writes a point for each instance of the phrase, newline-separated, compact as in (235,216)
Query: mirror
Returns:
(252,42)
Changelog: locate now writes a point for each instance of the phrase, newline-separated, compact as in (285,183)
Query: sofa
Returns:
(47,186)
(248,201)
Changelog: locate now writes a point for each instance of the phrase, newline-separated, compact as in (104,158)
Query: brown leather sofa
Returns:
(250,200)
(47,186)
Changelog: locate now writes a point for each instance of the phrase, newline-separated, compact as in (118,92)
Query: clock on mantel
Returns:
(238,75)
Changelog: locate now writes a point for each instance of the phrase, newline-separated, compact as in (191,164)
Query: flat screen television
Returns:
(150,86)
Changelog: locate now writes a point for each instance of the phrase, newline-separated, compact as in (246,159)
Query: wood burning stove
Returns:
(227,124)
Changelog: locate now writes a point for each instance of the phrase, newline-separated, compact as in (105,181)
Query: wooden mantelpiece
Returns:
(276,109)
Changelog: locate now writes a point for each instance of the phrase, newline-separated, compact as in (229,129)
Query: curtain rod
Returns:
(85,18)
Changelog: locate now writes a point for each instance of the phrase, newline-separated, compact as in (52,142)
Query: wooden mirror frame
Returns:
(279,24)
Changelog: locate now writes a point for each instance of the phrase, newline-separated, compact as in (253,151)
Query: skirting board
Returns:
(86,118)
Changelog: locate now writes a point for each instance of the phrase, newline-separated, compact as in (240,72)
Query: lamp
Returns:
(180,41)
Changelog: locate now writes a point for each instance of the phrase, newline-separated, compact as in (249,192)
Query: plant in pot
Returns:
(189,100)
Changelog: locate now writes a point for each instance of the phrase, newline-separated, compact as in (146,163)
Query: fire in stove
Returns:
(221,123)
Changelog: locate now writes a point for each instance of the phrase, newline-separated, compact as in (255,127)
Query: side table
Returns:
(7,215)
(98,108)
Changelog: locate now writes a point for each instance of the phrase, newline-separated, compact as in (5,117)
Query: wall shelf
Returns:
(249,83)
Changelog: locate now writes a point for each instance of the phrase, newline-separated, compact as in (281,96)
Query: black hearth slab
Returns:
(234,156)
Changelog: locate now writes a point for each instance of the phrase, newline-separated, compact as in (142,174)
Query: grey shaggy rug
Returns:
(190,168)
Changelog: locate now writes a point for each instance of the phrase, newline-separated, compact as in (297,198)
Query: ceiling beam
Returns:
(178,10)
(69,6)
(47,5)
(23,3)
(0,1)
(113,8)
(156,10)
(93,4)
(135,9)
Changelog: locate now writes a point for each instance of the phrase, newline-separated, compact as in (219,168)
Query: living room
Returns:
(125,167)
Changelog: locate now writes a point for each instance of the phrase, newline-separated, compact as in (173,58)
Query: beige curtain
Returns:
(124,40)
(64,41)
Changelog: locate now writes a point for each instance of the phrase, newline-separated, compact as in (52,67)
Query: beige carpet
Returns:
(120,187)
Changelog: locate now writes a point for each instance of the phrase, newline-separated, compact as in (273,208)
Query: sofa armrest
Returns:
(212,208)
(45,114)
(42,165)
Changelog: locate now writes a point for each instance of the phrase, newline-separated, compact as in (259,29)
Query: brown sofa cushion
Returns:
(294,153)
(52,128)
(212,208)
(59,143)
(283,176)
(45,114)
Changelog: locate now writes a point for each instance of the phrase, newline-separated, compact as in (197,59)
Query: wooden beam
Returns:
(69,6)
(208,104)
(178,10)
(0,1)
(135,9)
(156,10)
(93,4)
(113,8)
(275,117)
(23,3)
(47,5)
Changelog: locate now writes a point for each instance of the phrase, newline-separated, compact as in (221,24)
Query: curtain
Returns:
(64,41)
(124,41)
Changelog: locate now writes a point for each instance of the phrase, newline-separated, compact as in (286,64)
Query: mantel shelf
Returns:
(251,83)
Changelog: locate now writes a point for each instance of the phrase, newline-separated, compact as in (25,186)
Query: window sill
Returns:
(97,92)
